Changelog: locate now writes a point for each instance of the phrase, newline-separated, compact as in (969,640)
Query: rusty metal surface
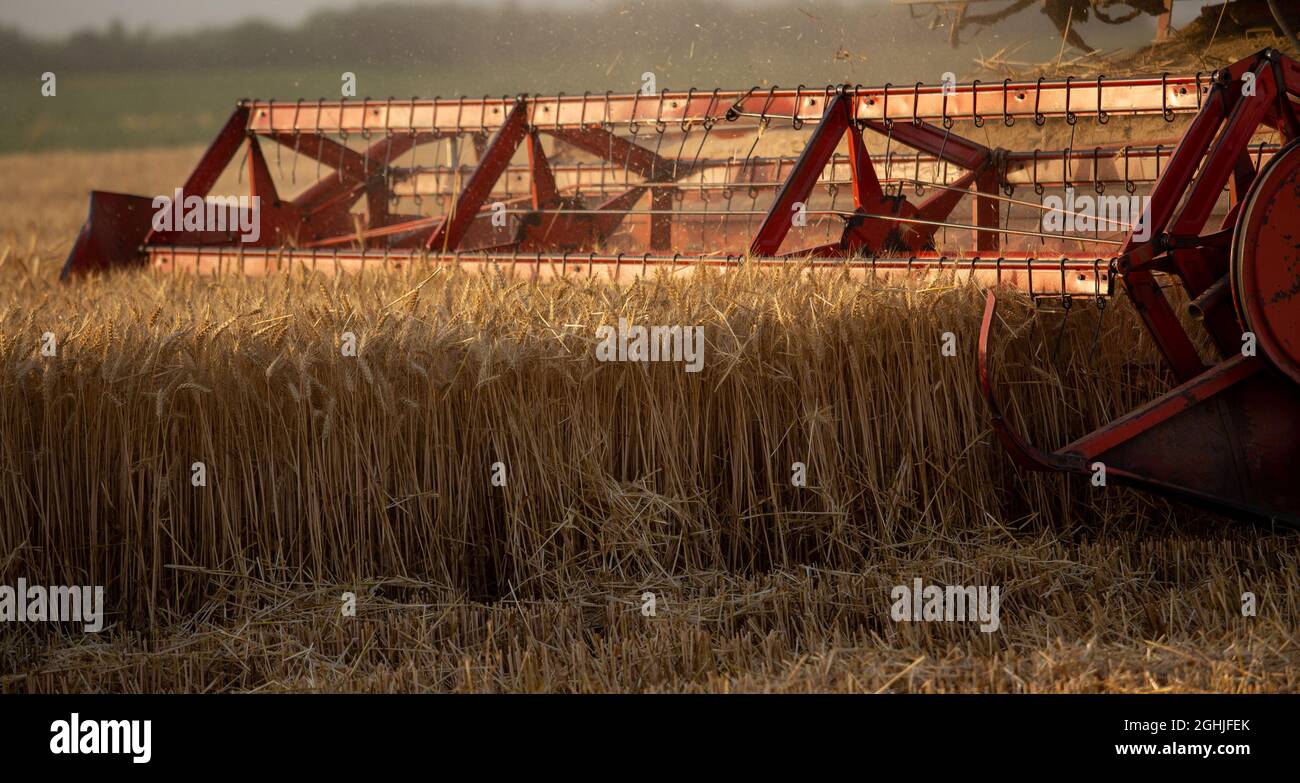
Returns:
(1266,268)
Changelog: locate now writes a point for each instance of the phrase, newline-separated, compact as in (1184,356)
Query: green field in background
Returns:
(132,89)
(143,109)
(155,109)
(185,106)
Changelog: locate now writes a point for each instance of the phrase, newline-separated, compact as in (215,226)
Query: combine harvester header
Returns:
(871,181)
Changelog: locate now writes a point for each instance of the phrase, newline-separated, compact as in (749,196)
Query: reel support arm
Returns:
(1228,434)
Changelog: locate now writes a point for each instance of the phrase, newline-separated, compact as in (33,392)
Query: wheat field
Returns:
(373,475)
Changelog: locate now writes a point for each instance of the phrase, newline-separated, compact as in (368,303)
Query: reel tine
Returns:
(278,168)
(343,151)
(685,125)
(297,139)
(343,139)
(416,199)
(320,145)
(709,121)
(1096,335)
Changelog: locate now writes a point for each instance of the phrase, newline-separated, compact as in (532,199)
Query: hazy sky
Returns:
(57,18)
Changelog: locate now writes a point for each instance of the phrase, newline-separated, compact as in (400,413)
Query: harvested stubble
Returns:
(372,473)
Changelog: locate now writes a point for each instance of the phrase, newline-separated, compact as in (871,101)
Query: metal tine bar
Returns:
(1166,96)
(729,181)
(838,212)
(1040,263)
(1015,201)
(1027,161)
(258,261)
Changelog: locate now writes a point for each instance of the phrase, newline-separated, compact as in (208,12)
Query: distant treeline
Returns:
(662,33)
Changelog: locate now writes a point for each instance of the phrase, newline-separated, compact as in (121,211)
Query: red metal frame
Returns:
(322,217)
(865,232)
(1229,434)
(447,236)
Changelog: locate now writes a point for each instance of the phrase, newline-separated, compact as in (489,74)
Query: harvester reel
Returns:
(630,185)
